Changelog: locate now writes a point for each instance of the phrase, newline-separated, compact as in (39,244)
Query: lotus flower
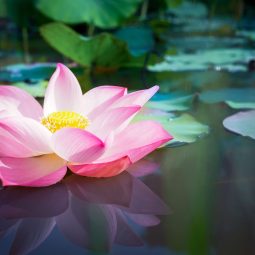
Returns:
(91,134)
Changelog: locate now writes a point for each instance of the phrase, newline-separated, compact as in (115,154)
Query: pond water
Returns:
(193,199)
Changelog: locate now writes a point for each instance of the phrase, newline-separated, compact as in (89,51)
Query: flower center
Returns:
(58,120)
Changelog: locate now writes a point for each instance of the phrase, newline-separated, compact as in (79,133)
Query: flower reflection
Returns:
(93,214)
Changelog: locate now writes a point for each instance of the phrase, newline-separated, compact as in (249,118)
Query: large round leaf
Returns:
(176,101)
(238,95)
(185,128)
(101,13)
(242,123)
(234,59)
(102,50)
(139,39)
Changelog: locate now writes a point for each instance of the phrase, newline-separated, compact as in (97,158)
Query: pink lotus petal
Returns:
(32,172)
(136,141)
(136,98)
(23,137)
(63,92)
(77,145)
(98,99)
(18,102)
(112,121)
(106,169)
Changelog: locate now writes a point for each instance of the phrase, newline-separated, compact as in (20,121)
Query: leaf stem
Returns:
(144,10)
(25,44)
(91,29)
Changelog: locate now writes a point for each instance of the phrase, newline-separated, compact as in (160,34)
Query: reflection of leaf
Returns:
(35,89)
(102,50)
(242,123)
(228,94)
(138,38)
(218,59)
(184,129)
(171,102)
(102,13)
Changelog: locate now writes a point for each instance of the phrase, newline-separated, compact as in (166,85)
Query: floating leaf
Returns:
(21,72)
(138,38)
(171,102)
(241,105)
(36,89)
(247,34)
(184,129)
(235,95)
(101,13)
(242,123)
(102,50)
(183,9)
(217,59)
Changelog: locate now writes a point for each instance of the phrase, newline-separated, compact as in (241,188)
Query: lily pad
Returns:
(217,59)
(171,102)
(103,50)
(247,34)
(21,72)
(183,9)
(139,39)
(242,123)
(101,13)
(241,105)
(35,89)
(240,95)
(184,129)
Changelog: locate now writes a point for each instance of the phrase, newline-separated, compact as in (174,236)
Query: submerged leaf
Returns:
(101,13)
(242,123)
(102,50)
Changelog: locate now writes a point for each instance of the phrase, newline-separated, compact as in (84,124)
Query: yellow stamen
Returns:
(58,120)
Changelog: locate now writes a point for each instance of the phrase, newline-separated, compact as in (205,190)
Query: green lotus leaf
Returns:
(101,13)
(242,123)
(103,50)
(184,129)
